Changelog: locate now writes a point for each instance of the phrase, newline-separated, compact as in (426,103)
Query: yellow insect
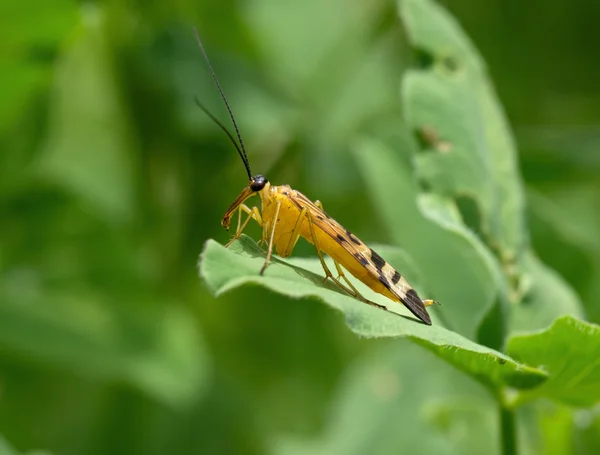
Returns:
(288,215)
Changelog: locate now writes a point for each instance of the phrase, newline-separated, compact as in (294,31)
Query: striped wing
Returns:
(373,263)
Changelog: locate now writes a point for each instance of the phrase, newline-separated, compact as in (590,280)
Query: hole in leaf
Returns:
(450,64)
(424,184)
(423,59)
(429,139)
(492,331)
(469,211)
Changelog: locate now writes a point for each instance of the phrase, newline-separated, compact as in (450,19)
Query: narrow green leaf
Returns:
(568,351)
(226,269)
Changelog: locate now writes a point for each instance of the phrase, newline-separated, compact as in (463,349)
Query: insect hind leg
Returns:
(355,293)
(349,288)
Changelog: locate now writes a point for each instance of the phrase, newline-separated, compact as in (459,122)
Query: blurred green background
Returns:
(111,180)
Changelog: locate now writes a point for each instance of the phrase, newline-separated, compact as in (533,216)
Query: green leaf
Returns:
(226,269)
(565,234)
(548,298)
(452,96)
(391,398)
(447,253)
(568,351)
(159,352)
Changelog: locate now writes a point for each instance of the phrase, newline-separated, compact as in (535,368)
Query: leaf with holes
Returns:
(461,273)
(467,150)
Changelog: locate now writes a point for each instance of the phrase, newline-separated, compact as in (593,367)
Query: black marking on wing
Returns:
(341,238)
(353,237)
(360,258)
(384,281)
(396,277)
(378,261)
(410,299)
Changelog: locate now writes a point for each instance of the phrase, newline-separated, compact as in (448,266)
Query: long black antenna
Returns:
(218,122)
(241,150)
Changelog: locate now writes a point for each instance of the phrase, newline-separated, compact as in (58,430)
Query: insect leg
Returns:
(295,234)
(342,275)
(328,275)
(316,243)
(352,291)
(270,249)
(239,210)
(355,292)
(252,213)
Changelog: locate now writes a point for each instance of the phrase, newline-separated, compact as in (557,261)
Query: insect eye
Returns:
(258,182)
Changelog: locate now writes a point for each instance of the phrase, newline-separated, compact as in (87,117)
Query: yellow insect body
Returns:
(288,215)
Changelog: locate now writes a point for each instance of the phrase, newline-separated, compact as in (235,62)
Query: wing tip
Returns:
(416,306)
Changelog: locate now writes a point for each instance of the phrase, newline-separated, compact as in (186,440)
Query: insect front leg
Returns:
(272,236)
(252,213)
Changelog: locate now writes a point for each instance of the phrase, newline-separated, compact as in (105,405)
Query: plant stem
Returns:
(508,430)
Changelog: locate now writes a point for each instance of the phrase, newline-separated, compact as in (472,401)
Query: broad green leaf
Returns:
(449,255)
(159,352)
(225,269)
(568,351)
(391,398)
(547,298)
(90,149)
(565,234)
(454,98)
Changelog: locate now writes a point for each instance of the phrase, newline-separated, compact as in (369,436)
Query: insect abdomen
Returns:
(353,264)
